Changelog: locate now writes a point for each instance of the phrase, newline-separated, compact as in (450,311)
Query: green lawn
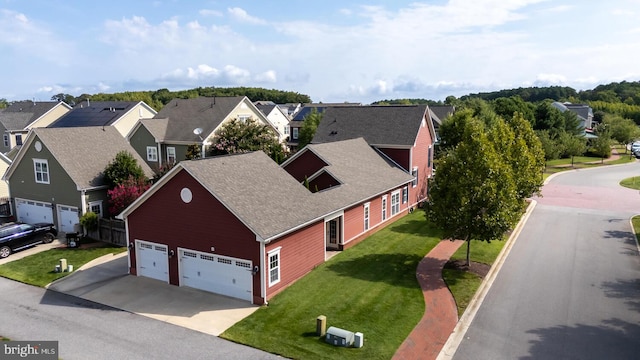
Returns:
(38,269)
(463,285)
(636,226)
(370,288)
(631,183)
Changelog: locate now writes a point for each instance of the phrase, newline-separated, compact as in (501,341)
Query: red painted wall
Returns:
(420,159)
(401,156)
(322,182)
(306,164)
(164,218)
(300,252)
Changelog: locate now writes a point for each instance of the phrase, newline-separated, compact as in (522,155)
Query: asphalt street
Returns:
(570,288)
(87,330)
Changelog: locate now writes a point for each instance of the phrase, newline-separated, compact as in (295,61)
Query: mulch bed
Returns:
(477,268)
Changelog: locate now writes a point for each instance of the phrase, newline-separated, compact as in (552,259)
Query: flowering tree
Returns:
(126,193)
(244,136)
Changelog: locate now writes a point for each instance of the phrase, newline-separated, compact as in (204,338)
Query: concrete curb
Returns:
(463,324)
(633,230)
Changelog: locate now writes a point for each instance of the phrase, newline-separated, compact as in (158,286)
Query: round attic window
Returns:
(38,146)
(186,195)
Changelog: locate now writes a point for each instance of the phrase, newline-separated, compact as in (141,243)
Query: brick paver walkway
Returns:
(441,314)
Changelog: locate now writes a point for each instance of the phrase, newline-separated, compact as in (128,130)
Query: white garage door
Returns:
(219,274)
(152,260)
(32,212)
(67,218)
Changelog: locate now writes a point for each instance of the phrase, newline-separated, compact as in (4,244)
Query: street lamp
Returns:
(198,131)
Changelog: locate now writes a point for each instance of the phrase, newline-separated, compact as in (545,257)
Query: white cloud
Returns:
(241,15)
(267,77)
(550,79)
(207,12)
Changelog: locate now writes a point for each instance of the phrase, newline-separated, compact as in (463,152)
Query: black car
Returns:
(17,236)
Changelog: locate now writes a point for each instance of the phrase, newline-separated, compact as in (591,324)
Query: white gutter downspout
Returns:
(263,278)
(159,155)
(83,201)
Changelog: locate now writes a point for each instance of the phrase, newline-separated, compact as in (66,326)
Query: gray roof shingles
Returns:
(185,115)
(84,152)
(22,113)
(378,125)
(269,210)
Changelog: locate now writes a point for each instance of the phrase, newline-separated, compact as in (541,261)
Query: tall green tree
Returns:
(622,130)
(3,103)
(121,168)
(601,145)
(572,145)
(309,127)
(244,136)
(473,195)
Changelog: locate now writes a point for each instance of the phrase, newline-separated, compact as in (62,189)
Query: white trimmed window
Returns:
(294,135)
(96,207)
(41,169)
(366,216)
(384,208)
(414,172)
(286,130)
(5,140)
(171,155)
(274,266)
(405,194)
(244,117)
(395,202)
(18,139)
(152,153)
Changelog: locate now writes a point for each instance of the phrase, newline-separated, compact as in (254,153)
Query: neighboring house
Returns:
(268,229)
(438,114)
(57,174)
(122,115)
(4,165)
(277,117)
(405,134)
(583,111)
(166,138)
(297,120)
(18,118)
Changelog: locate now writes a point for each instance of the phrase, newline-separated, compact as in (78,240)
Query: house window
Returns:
(171,155)
(274,266)
(405,194)
(5,140)
(384,208)
(366,216)
(18,139)
(244,118)
(395,203)
(286,130)
(295,133)
(414,172)
(96,208)
(152,153)
(41,169)
(430,156)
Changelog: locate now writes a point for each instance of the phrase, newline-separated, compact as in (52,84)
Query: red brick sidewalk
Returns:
(441,314)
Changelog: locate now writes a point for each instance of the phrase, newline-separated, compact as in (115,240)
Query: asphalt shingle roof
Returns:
(84,152)
(268,210)
(185,115)
(94,113)
(378,125)
(22,113)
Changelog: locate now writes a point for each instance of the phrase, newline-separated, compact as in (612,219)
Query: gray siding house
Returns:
(57,174)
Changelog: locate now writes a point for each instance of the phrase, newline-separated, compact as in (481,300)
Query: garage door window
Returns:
(274,267)
(41,168)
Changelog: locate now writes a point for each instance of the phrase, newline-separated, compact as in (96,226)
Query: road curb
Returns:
(463,324)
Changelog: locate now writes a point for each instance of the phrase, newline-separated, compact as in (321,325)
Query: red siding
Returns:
(300,252)
(306,164)
(420,159)
(199,225)
(322,182)
(401,156)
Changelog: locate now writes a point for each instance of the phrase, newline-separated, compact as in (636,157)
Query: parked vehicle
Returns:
(17,236)
(635,147)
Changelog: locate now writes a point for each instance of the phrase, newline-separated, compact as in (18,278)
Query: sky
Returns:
(333,51)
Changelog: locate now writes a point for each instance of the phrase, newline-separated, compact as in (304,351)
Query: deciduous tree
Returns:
(121,168)
(244,136)
(309,127)
(125,193)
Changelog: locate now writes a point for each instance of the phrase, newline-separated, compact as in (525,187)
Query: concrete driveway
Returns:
(105,281)
(30,251)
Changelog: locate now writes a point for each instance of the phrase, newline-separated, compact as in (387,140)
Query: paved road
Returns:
(570,288)
(87,330)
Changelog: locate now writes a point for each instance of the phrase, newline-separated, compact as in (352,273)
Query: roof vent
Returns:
(333,132)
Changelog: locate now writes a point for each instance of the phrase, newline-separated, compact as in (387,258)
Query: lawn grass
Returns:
(631,183)
(463,285)
(370,288)
(635,221)
(38,269)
